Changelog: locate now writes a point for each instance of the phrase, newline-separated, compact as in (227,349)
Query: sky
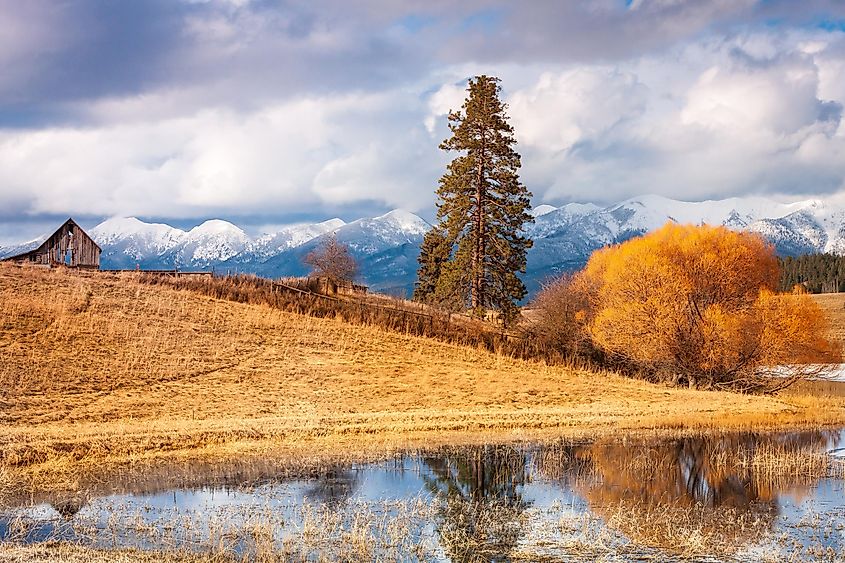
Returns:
(267,112)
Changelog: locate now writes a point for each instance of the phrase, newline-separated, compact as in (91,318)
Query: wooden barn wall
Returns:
(83,251)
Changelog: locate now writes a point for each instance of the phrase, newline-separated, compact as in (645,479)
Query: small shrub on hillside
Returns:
(332,259)
(560,317)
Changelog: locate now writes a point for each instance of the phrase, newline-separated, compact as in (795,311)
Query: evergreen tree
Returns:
(434,254)
(474,254)
(817,273)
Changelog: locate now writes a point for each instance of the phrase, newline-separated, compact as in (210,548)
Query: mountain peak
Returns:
(217,227)
(214,240)
(289,237)
(542,210)
(332,224)
(649,200)
(405,220)
(123,225)
(134,240)
(120,228)
(120,221)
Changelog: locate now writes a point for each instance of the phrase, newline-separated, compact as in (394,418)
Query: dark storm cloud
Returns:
(235,54)
(89,49)
(242,53)
(608,30)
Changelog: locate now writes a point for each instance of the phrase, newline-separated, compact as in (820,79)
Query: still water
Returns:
(745,497)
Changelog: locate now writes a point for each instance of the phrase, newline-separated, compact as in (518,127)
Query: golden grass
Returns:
(833,305)
(66,553)
(98,370)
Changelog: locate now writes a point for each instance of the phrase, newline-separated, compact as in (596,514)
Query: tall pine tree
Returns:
(475,252)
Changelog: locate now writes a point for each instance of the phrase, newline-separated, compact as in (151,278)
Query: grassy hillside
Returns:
(833,304)
(97,370)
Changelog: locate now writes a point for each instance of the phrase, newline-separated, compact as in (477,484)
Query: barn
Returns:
(69,246)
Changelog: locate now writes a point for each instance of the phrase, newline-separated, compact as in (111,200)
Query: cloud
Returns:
(585,103)
(237,108)
(56,56)
(713,119)
(449,97)
(286,156)
(780,99)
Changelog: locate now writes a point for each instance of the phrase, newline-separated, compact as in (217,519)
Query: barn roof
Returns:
(35,245)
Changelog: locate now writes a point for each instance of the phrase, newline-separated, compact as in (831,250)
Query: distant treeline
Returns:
(817,273)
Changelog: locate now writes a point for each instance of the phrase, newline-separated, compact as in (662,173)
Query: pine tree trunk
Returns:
(479,252)
(478,297)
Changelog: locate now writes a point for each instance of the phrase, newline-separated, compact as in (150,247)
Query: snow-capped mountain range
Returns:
(129,241)
(387,246)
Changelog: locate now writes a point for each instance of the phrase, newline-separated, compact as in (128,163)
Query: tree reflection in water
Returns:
(698,495)
(333,488)
(481,518)
(709,489)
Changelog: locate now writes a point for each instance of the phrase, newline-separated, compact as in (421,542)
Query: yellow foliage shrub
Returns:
(696,305)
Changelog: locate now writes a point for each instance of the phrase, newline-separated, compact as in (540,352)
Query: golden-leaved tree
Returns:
(697,305)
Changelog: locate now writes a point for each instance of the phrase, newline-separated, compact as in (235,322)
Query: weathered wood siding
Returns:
(69,246)
(328,286)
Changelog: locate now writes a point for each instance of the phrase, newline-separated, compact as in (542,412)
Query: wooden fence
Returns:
(408,321)
(175,272)
(444,326)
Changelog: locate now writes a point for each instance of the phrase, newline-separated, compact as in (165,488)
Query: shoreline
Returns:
(247,476)
(249,460)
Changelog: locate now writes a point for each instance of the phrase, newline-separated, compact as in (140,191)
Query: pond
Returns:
(743,496)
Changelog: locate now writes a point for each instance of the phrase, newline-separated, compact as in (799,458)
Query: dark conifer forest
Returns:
(817,273)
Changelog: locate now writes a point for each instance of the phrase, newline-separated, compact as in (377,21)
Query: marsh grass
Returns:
(361,531)
(418,531)
(69,553)
(637,510)
(816,388)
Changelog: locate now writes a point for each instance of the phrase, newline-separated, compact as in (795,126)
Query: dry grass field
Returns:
(833,305)
(64,553)
(98,370)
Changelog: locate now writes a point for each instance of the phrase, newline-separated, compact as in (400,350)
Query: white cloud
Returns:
(375,172)
(449,97)
(780,99)
(560,110)
(279,159)
(710,119)
(831,65)
(755,111)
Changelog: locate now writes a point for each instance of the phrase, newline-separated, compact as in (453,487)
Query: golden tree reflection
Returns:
(719,491)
